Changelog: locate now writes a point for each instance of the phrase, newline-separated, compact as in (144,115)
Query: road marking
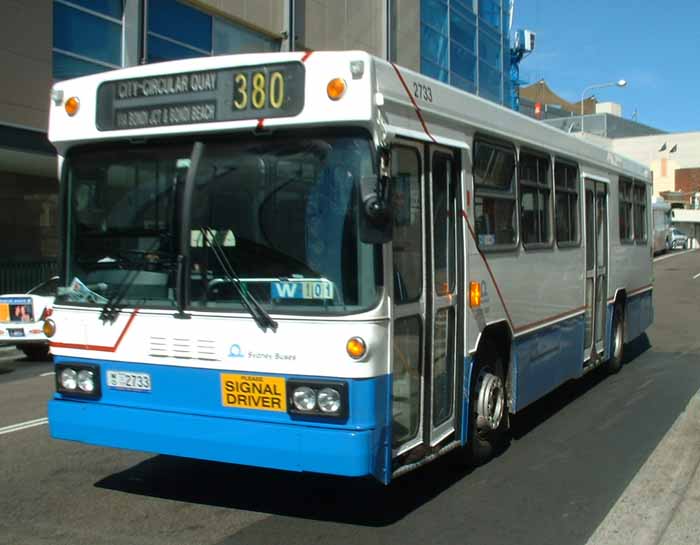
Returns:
(694,277)
(24,425)
(47,374)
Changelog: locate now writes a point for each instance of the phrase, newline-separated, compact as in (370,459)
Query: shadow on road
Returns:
(363,502)
(304,495)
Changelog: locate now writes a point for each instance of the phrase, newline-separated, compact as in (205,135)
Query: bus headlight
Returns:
(86,380)
(317,398)
(69,379)
(78,379)
(329,400)
(304,398)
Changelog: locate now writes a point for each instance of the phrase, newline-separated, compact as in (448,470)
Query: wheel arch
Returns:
(499,336)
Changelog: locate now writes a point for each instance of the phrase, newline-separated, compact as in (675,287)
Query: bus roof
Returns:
(274,90)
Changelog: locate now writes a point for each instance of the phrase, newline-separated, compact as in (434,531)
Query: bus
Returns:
(661,221)
(324,262)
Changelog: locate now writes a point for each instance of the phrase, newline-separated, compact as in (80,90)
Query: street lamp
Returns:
(618,83)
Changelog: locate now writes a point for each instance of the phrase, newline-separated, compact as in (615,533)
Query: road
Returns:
(572,456)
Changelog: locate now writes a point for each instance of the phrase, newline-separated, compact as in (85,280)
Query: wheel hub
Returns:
(490,401)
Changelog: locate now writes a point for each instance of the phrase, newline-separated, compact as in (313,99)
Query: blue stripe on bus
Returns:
(546,358)
(183,415)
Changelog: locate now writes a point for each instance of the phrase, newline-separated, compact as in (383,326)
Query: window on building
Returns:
(534,178)
(640,211)
(450,32)
(625,200)
(179,31)
(87,37)
(566,188)
(494,195)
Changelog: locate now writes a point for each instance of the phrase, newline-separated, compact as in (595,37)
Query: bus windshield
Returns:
(274,216)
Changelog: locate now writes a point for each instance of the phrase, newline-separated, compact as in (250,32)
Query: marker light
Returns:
(72,106)
(336,88)
(49,328)
(474,294)
(356,348)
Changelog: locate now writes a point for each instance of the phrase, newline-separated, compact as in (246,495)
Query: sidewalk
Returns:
(662,503)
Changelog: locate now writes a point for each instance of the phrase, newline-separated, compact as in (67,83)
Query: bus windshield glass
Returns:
(274,216)
(279,215)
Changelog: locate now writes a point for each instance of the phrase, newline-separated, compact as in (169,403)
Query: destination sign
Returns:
(252,92)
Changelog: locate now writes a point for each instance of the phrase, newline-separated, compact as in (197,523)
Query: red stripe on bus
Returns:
(98,348)
(415,106)
(261,122)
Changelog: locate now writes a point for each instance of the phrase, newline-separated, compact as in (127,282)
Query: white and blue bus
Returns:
(325,262)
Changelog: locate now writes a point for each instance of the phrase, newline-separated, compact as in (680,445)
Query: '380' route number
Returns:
(258,90)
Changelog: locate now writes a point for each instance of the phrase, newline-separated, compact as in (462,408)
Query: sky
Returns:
(654,45)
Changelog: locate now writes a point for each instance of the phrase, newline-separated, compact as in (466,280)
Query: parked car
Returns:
(22,318)
(678,239)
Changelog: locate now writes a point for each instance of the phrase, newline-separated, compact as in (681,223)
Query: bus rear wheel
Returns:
(614,364)
(488,420)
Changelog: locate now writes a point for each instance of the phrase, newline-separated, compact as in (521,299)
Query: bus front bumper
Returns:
(351,453)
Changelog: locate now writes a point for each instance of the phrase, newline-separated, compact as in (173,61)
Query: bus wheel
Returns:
(488,421)
(614,364)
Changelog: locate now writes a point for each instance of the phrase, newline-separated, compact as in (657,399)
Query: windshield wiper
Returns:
(259,314)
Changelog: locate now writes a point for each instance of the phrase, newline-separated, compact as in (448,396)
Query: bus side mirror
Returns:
(376,218)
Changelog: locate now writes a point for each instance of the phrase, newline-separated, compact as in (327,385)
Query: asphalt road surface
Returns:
(572,455)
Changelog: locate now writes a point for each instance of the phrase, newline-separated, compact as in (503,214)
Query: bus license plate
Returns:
(136,382)
(16,332)
(253,392)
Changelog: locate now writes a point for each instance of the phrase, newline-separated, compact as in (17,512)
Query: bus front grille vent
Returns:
(182,348)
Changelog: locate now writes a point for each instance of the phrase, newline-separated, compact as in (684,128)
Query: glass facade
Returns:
(465,43)
(178,31)
(89,35)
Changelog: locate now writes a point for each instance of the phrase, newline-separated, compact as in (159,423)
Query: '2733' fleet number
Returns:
(423,92)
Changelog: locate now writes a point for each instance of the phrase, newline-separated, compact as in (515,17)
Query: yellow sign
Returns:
(253,392)
(4,313)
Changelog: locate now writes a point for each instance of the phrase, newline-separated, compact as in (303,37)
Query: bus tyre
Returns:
(36,352)
(488,420)
(614,364)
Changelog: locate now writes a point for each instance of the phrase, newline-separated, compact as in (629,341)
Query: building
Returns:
(461,42)
(674,158)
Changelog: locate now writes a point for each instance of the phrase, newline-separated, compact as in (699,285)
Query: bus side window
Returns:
(534,177)
(566,187)
(625,210)
(494,195)
(640,212)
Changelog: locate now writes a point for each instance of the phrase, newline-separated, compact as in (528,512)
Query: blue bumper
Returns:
(271,445)
(183,415)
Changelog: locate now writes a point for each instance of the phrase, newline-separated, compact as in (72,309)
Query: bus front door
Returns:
(596,269)
(426,296)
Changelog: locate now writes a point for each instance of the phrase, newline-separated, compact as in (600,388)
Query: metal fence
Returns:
(20,276)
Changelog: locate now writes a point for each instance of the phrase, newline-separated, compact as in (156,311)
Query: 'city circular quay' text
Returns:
(167,85)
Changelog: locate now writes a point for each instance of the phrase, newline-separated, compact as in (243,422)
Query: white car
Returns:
(22,318)
(678,239)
